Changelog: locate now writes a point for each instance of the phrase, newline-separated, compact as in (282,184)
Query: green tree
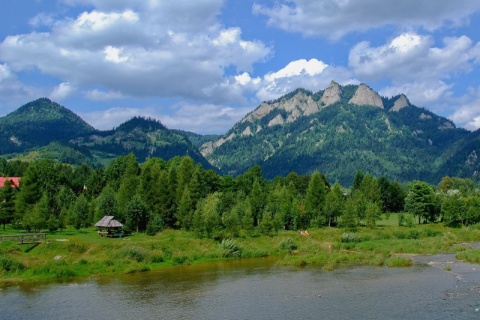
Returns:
(257,201)
(137,214)
(79,213)
(349,215)
(373,213)
(421,201)
(315,199)
(7,203)
(357,180)
(454,211)
(334,204)
(106,204)
(127,190)
(231,221)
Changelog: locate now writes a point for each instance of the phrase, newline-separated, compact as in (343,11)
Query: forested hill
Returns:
(343,129)
(38,123)
(45,129)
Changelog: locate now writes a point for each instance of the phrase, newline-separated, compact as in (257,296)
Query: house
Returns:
(14,181)
(109,227)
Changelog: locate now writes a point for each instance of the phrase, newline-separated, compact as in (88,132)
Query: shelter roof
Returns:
(15,181)
(108,222)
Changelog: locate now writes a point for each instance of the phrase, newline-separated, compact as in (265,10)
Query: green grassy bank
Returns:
(83,253)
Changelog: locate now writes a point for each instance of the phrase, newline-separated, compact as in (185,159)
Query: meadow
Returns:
(83,253)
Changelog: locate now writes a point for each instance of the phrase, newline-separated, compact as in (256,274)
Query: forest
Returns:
(179,194)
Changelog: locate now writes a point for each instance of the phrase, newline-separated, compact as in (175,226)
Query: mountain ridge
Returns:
(337,131)
(43,128)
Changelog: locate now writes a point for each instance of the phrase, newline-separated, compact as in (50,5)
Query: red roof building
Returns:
(15,181)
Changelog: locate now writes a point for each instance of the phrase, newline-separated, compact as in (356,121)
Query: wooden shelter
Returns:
(109,227)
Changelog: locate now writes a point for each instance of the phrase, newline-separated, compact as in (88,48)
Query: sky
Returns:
(202,65)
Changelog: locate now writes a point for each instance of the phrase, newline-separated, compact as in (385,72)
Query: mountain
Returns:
(43,128)
(338,131)
(143,137)
(38,123)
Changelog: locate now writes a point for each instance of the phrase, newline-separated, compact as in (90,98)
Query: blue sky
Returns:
(202,65)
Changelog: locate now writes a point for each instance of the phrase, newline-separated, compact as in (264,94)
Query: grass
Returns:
(72,253)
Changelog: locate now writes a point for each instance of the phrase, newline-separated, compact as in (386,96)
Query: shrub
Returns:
(135,253)
(231,249)
(398,262)
(9,265)
(288,244)
(349,238)
(75,245)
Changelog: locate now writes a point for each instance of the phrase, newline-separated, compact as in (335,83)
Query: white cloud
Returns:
(97,95)
(467,114)
(141,49)
(312,67)
(13,92)
(420,93)
(62,91)
(200,118)
(413,56)
(312,75)
(334,19)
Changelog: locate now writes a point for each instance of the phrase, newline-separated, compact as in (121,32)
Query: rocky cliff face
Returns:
(400,103)
(298,104)
(331,95)
(366,96)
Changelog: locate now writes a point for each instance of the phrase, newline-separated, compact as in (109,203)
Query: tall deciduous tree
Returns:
(454,211)
(421,201)
(137,214)
(334,203)
(315,199)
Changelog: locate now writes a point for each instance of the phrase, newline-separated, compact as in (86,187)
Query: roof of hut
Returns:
(108,222)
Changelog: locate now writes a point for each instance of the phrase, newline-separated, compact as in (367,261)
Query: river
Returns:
(257,289)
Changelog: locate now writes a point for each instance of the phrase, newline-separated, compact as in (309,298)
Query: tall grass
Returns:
(73,253)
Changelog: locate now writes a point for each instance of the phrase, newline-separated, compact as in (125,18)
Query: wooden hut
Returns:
(109,227)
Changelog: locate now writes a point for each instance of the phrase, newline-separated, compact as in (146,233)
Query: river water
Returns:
(257,289)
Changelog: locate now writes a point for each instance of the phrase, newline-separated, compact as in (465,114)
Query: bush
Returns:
(75,245)
(288,245)
(398,262)
(231,249)
(349,238)
(135,253)
(9,265)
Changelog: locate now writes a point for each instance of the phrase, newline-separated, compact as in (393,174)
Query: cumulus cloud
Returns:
(420,93)
(334,19)
(413,56)
(61,92)
(97,95)
(12,91)
(467,114)
(310,74)
(141,49)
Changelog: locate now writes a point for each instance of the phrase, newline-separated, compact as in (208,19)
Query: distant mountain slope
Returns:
(38,123)
(145,138)
(43,128)
(337,131)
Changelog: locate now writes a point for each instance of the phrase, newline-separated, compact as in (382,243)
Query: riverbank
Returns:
(83,253)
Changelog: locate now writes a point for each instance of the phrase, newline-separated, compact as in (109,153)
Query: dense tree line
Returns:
(180,194)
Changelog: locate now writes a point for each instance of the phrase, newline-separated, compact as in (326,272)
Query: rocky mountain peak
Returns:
(332,94)
(366,96)
(400,103)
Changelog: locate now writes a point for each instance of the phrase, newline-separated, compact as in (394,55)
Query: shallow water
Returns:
(256,289)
